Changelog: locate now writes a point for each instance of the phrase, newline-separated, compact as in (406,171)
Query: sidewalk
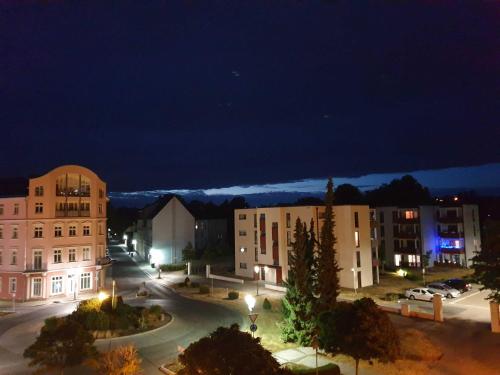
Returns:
(28,306)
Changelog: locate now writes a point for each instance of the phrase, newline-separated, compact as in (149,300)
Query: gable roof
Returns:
(151,210)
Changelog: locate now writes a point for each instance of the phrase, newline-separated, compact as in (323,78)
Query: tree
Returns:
(297,306)
(229,351)
(406,191)
(123,360)
(188,253)
(327,285)
(348,194)
(62,343)
(486,263)
(360,330)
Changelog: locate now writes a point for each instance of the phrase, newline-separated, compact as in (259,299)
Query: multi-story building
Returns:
(449,234)
(210,233)
(53,240)
(264,236)
(374,246)
(163,230)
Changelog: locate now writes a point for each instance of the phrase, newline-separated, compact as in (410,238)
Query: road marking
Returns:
(464,297)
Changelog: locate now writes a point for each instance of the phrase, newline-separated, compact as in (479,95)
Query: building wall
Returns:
(245,230)
(472,232)
(80,232)
(428,232)
(172,230)
(210,232)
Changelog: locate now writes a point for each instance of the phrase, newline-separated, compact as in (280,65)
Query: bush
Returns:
(96,321)
(233,295)
(392,297)
(266,305)
(413,276)
(195,285)
(106,305)
(204,289)
(156,310)
(187,282)
(172,267)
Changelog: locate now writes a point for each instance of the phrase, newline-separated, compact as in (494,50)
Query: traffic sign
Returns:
(253,327)
(253,317)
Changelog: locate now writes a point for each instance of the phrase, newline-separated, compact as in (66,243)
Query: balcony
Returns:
(407,234)
(446,234)
(446,219)
(36,267)
(65,192)
(407,250)
(404,220)
(452,250)
(72,213)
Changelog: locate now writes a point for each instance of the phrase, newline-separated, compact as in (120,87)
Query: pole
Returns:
(212,286)
(258,279)
(113,297)
(14,302)
(316,360)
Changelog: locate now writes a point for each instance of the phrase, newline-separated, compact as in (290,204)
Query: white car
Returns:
(444,289)
(423,294)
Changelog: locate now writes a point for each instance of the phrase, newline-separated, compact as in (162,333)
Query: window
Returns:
(243,266)
(13,258)
(58,231)
(1,209)
(1,232)
(356,238)
(37,259)
(356,220)
(38,231)
(86,230)
(101,193)
(243,232)
(255,250)
(381,215)
(288,238)
(72,255)
(101,231)
(100,208)
(358,259)
(15,232)
(16,209)
(288,220)
(58,256)
(1,258)
(72,230)
(255,220)
(243,249)
(38,208)
(37,287)
(85,281)
(397,259)
(57,285)
(39,191)
(382,231)
(242,217)
(411,215)
(86,253)
(12,285)
(255,237)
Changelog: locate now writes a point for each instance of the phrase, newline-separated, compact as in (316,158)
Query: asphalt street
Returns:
(192,320)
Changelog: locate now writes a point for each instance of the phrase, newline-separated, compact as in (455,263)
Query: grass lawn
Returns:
(330,369)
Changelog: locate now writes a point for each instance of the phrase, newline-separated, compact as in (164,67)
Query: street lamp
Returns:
(134,243)
(125,238)
(250,301)
(354,280)
(257,269)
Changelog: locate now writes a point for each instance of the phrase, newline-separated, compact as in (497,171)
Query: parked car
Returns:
(423,294)
(444,289)
(459,284)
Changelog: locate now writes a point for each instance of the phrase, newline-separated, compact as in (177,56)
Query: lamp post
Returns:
(257,269)
(113,296)
(250,301)
(125,237)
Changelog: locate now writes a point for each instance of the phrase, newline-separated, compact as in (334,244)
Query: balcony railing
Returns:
(451,234)
(404,234)
(452,250)
(449,219)
(407,250)
(404,220)
(72,213)
(36,267)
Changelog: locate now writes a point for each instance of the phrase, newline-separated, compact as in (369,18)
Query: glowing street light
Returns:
(250,301)
(102,296)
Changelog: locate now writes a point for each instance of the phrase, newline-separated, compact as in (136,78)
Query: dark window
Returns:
(382,231)
(396,245)
(356,220)
(288,219)
(358,259)
(381,217)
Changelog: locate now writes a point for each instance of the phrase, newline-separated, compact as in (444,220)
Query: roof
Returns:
(14,187)
(151,210)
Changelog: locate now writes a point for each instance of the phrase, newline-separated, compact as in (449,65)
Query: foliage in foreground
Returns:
(62,343)
(360,330)
(123,360)
(487,262)
(229,351)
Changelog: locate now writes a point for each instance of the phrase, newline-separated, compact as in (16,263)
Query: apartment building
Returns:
(449,233)
(53,239)
(163,230)
(210,233)
(264,236)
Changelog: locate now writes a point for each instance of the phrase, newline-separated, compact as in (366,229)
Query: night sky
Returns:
(204,94)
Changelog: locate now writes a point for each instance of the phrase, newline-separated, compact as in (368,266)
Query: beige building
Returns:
(264,236)
(53,240)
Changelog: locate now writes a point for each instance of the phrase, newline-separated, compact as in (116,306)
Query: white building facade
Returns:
(264,236)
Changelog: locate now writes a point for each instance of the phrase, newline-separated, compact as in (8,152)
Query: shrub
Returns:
(172,267)
(266,305)
(187,281)
(195,285)
(96,321)
(413,276)
(204,289)
(106,304)
(233,295)
(156,310)
(392,297)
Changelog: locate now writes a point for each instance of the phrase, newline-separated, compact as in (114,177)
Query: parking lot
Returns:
(470,305)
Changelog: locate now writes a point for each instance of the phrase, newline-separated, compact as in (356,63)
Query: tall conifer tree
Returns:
(327,284)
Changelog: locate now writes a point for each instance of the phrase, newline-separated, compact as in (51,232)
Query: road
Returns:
(192,320)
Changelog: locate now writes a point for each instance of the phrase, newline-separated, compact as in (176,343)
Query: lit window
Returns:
(410,215)
(356,238)
(57,285)
(242,217)
(397,259)
(243,232)
(85,281)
